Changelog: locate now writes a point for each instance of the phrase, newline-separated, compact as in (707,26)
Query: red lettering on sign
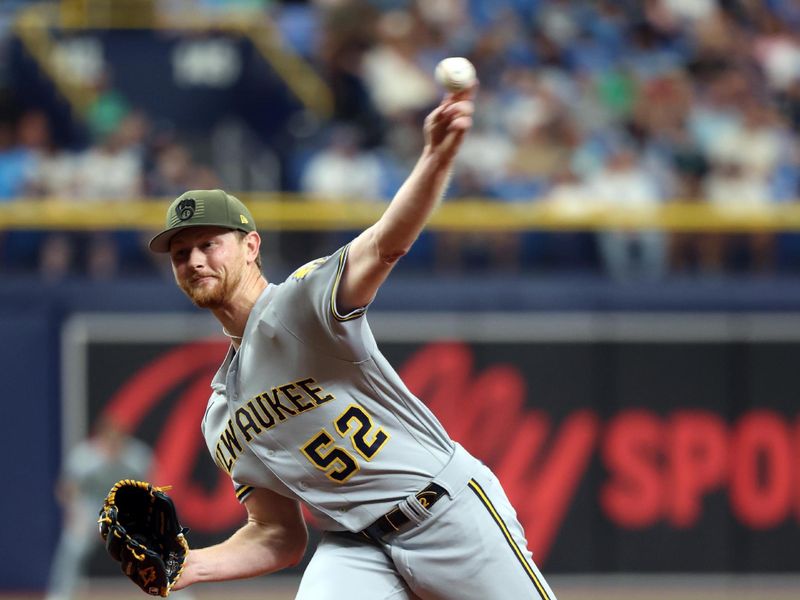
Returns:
(149,385)
(632,453)
(544,496)
(485,412)
(440,374)
(698,461)
(660,468)
(796,471)
(761,482)
(663,468)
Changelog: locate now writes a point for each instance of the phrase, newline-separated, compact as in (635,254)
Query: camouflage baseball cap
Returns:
(197,208)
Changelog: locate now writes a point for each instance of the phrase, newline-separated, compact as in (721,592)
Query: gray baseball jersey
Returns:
(309,408)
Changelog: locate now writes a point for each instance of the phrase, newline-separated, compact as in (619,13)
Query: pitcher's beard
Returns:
(207,296)
(213,296)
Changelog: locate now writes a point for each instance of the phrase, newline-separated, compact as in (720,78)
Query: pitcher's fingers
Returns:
(465,94)
(460,108)
(436,112)
(461,123)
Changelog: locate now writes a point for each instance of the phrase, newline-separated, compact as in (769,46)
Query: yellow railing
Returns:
(108,14)
(294,212)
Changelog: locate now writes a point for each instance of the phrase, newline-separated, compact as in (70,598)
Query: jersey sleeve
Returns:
(242,491)
(307,307)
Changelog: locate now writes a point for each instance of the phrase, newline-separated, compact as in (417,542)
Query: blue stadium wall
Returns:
(739,535)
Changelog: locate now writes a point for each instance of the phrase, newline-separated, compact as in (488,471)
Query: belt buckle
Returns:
(427,497)
(430,494)
(385,525)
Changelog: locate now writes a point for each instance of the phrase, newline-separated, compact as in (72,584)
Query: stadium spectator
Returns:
(33,166)
(21,146)
(690,168)
(694,84)
(625,186)
(89,471)
(734,190)
(342,170)
(391,69)
(745,160)
(173,171)
(110,171)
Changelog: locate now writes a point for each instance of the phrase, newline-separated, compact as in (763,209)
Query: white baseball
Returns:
(455,73)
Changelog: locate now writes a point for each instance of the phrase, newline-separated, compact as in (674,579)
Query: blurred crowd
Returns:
(582,103)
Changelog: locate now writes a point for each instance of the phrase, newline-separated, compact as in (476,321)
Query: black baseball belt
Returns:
(396,520)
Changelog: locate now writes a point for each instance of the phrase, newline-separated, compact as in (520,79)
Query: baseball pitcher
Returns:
(305,409)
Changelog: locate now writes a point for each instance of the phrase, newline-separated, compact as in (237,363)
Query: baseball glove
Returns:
(140,526)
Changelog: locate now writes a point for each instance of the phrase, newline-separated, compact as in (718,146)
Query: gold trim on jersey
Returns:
(531,572)
(353,314)
(243,491)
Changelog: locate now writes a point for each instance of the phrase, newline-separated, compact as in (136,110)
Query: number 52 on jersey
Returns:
(355,426)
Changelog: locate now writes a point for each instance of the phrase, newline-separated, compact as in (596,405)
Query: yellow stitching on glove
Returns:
(111,497)
(139,557)
(185,544)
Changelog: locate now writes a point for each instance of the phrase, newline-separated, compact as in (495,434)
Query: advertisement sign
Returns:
(627,442)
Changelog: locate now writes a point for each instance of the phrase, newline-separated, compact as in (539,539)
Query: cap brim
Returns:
(160,243)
